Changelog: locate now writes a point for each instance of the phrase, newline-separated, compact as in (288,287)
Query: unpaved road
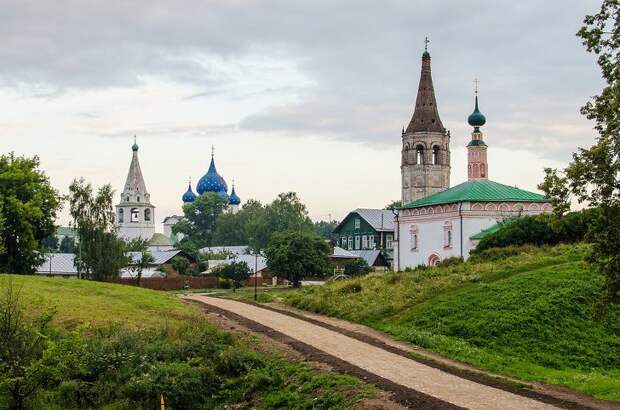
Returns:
(395,368)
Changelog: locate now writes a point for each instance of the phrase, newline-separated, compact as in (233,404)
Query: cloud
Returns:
(359,61)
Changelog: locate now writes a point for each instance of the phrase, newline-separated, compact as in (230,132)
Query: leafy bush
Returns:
(454,260)
(539,230)
(356,267)
(236,272)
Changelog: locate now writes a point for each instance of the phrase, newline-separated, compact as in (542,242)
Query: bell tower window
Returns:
(435,155)
(419,155)
(121,215)
(147,214)
(135,215)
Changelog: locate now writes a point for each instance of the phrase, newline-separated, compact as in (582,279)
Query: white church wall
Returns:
(432,224)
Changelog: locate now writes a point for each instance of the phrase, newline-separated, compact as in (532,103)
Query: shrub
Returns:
(351,287)
(539,230)
(454,260)
(356,267)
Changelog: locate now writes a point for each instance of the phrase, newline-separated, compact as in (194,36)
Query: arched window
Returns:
(482,171)
(135,215)
(127,199)
(419,155)
(435,155)
(147,214)
(121,215)
(138,199)
(414,237)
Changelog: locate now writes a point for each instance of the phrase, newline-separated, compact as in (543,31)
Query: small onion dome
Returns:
(212,181)
(189,196)
(234,199)
(134,147)
(476,119)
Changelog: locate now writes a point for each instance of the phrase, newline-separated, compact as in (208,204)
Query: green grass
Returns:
(76,302)
(151,342)
(529,316)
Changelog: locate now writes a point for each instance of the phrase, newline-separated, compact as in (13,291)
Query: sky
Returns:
(304,96)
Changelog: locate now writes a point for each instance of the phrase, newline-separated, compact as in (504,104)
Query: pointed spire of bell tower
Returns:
(426,116)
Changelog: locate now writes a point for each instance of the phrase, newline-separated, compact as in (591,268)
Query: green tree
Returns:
(394,204)
(50,244)
(232,229)
(295,255)
(22,342)
(101,254)
(237,272)
(356,267)
(325,229)
(181,265)
(199,222)
(28,204)
(285,213)
(593,174)
(67,245)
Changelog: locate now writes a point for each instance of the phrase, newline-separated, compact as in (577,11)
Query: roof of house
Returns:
(370,256)
(478,190)
(381,220)
(253,261)
(235,250)
(159,239)
(159,257)
(340,253)
(61,264)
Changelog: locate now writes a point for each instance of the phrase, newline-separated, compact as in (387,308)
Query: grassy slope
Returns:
(529,316)
(102,305)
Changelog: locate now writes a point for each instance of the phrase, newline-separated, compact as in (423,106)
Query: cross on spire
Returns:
(212,151)
(426,41)
(476,83)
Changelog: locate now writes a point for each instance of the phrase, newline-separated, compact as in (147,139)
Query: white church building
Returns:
(435,221)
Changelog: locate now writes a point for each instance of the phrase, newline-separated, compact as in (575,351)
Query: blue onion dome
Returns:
(234,199)
(476,119)
(134,147)
(212,181)
(189,195)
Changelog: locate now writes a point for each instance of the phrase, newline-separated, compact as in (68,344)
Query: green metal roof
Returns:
(486,232)
(159,239)
(475,143)
(478,190)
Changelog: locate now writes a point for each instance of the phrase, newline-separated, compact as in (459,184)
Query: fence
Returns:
(179,282)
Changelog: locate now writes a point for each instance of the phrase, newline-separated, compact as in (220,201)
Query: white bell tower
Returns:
(135,215)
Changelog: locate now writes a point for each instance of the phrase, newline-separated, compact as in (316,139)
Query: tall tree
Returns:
(295,255)
(67,245)
(285,214)
(28,207)
(100,253)
(325,229)
(199,222)
(593,174)
(232,229)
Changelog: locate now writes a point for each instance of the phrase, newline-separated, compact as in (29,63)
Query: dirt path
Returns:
(448,390)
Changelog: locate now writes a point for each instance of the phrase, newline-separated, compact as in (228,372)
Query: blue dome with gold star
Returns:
(212,182)
(189,196)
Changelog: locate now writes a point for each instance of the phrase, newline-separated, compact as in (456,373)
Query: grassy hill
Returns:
(121,347)
(525,312)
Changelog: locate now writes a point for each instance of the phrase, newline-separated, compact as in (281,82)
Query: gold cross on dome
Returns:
(426,41)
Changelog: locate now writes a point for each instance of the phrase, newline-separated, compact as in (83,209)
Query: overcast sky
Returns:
(305,96)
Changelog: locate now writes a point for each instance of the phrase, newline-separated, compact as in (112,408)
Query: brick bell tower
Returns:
(477,165)
(425,163)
